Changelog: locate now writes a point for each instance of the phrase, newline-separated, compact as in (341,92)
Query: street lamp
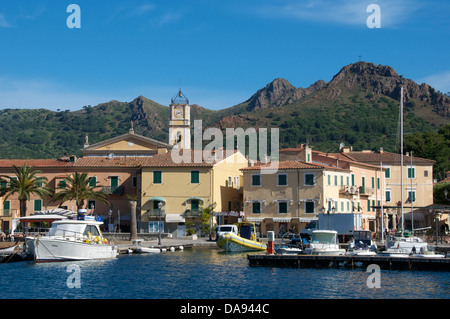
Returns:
(160,204)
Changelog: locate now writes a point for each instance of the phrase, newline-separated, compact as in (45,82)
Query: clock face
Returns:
(178,113)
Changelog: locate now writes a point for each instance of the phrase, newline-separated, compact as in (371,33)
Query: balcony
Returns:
(193,213)
(366,191)
(8,212)
(156,213)
(113,190)
(349,190)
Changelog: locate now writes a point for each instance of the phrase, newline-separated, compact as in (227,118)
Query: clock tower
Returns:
(179,124)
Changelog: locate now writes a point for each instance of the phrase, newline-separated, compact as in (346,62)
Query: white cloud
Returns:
(440,81)
(348,12)
(3,22)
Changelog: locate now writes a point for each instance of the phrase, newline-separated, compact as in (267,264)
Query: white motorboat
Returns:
(324,242)
(72,240)
(410,244)
(288,250)
(362,244)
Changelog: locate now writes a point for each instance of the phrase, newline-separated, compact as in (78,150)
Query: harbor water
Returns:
(209,274)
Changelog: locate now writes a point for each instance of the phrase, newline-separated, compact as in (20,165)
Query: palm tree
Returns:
(25,184)
(79,189)
(133,229)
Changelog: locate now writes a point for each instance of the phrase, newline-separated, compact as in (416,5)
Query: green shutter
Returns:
(282,179)
(6,205)
(256,180)
(92,181)
(387,173)
(353,180)
(256,208)
(195,177)
(194,204)
(282,207)
(37,204)
(157,177)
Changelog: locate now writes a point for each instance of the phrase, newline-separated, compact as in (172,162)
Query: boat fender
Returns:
(105,241)
(97,240)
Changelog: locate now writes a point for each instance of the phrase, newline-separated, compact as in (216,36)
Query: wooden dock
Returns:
(315,261)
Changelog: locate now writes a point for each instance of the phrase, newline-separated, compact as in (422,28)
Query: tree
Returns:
(78,188)
(25,184)
(207,215)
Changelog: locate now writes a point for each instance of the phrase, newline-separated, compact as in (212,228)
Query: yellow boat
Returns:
(245,240)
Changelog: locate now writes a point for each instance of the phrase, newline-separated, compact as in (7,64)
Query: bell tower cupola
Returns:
(180,123)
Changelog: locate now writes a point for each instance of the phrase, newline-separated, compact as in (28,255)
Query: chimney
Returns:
(381,150)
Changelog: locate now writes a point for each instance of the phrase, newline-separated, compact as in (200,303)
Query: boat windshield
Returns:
(323,238)
(71,230)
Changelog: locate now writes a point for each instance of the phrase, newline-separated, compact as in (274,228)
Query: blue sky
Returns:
(218,52)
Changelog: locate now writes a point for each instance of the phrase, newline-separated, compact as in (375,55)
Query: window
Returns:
(156,204)
(37,204)
(134,181)
(256,208)
(353,179)
(282,179)
(92,181)
(373,205)
(91,204)
(425,173)
(388,195)
(91,229)
(194,204)
(378,183)
(256,180)
(368,205)
(373,182)
(309,207)
(348,180)
(411,172)
(282,207)
(6,206)
(309,179)
(342,206)
(412,196)
(195,177)
(329,180)
(387,173)
(62,184)
(157,177)
(114,180)
(335,180)
(153,226)
(342,180)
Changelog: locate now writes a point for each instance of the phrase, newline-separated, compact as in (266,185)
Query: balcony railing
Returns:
(8,212)
(366,191)
(348,190)
(152,213)
(117,190)
(193,213)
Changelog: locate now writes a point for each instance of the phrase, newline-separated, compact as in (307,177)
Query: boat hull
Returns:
(234,243)
(54,250)
(324,252)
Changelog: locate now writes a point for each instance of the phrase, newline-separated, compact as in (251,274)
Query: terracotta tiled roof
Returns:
(375,158)
(110,162)
(183,158)
(35,162)
(289,165)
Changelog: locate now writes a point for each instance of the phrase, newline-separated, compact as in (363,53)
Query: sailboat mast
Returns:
(401,157)
(411,197)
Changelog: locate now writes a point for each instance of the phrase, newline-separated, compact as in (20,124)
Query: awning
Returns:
(149,205)
(255,219)
(175,218)
(157,199)
(415,216)
(193,198)
(42,218)
(281,219)
(305,219)
(231,213)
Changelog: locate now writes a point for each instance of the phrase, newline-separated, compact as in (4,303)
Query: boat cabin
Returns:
(324,237)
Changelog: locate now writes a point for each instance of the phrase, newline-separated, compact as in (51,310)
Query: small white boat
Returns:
(147,250)
(362,244)
(285,250)
(7,250)
(395,252)
(324,242)
(72,240)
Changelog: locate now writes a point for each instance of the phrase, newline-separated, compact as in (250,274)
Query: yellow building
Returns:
(173,193)
(291,197)
(417,192)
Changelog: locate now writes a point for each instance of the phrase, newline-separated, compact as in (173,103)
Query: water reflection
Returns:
(212,274)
